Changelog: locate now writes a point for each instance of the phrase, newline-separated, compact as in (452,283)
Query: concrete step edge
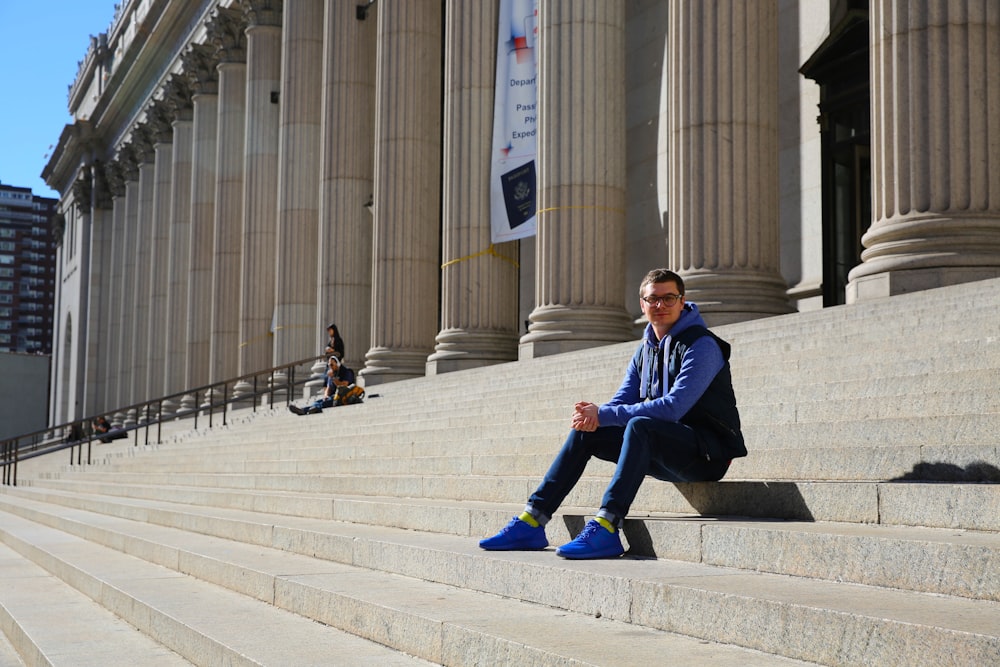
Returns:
(945,505)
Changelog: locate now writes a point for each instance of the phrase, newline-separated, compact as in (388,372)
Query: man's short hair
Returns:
(662,276)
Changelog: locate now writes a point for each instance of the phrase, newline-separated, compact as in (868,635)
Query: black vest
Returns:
(714,417)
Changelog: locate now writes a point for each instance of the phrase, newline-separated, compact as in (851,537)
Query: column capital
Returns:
(177,97)
(127,162)
(199,63)
(227,32)
(262,12)
(142,145)
(159,117)
(103,191)
(82,190)
(114,175)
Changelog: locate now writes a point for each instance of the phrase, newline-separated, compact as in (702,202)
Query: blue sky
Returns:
(40,46)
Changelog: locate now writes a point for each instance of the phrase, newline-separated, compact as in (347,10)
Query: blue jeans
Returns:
(321,403)
(645,446)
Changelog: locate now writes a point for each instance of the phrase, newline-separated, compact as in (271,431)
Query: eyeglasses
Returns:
(666,299)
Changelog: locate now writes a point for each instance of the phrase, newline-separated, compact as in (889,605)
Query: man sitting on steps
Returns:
(674,418)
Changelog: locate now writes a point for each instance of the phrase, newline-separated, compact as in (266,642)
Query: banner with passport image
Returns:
(512,181)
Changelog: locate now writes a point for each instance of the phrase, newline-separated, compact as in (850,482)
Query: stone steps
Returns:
(227,602)
(956,505)
(388,586)
(779,547)
(965,464)
(207,624)
(28,599)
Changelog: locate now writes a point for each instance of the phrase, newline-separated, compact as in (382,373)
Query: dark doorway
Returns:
(840,67)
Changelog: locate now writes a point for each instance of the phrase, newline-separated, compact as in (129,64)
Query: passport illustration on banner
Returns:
(512,178)
(519,194)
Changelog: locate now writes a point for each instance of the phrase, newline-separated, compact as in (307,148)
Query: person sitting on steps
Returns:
(339,379)
(674,418)
(335,344)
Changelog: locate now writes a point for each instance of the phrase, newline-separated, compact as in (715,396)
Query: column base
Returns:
(727,298)
(920,252)
(189,402)
(558,329)
(242,395)
(385,365)
(280,378)
(459,350)
(167,409)
(892,283)
(317,380)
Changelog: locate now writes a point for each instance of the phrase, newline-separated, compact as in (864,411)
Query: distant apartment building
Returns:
(27,270)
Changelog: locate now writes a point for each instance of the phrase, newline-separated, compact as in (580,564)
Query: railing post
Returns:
(270,392)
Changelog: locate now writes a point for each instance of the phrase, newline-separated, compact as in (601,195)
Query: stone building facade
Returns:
(242,172)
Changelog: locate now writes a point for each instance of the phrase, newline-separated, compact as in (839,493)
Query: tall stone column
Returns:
(179,247)
(580,251)
(126,304)
(94,264)
(228,224)
(935,152)
(407,189)
(159,248)
(298,181)
(99,277)
(200,65)
(260,199)
(143,238)
(111,350)
(347,138)
(723,172)
(478,280)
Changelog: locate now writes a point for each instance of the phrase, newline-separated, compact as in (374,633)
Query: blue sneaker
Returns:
(516,536)
(594,541)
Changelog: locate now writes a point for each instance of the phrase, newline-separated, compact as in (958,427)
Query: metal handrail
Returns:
(78,435)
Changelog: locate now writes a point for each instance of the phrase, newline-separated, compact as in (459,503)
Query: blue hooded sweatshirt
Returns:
(644,391)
